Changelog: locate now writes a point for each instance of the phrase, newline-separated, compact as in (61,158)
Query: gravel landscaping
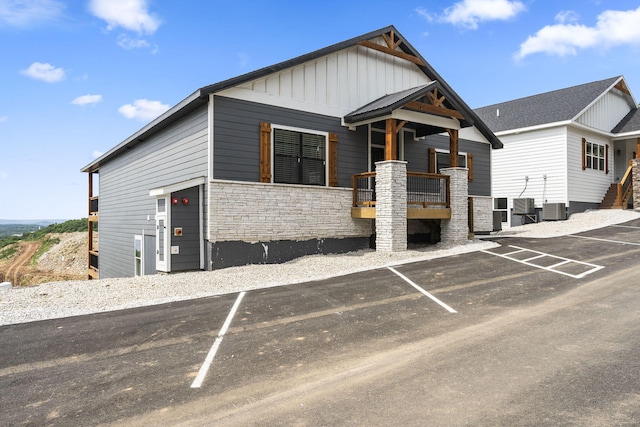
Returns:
(71,298)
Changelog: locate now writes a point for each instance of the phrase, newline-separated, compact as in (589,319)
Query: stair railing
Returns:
(625,187)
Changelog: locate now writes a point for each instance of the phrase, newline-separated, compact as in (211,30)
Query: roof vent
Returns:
(497,112)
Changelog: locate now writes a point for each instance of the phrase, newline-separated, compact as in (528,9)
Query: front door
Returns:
(162,239)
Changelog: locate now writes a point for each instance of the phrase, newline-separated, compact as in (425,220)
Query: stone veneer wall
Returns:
(259,212)
(482,214)
(456,229)
(636,183)
(391,206)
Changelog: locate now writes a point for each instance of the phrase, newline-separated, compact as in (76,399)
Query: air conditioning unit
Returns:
(524,206)
(554,211)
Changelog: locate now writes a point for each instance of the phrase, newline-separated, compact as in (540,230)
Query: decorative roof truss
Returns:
(393,48)
(433,103)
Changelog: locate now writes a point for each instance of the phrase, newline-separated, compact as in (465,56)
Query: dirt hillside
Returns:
(66,260)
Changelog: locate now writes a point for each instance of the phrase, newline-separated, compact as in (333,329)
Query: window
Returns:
(595,156)
(138,255)
(299,157)
(500,204)
(442,160)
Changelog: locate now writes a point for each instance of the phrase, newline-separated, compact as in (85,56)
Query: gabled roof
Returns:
(550,107)
(630,123)
(200,96)
(388,103)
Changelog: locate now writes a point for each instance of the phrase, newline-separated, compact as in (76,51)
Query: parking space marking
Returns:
(197,383)
(591,268)
(425,293)
(605,240)
(625,226)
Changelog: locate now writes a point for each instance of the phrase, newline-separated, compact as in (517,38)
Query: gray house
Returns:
(355,145)
(571,147)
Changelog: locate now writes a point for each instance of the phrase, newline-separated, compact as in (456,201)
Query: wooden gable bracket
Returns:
(622,87)
(434,106)
(392,48)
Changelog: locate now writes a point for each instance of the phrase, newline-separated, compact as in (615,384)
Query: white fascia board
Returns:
(532,128)
(410,116)
(626,135)
(161,191)
(426,119)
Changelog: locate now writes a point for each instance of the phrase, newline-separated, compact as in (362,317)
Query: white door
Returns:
(162,236)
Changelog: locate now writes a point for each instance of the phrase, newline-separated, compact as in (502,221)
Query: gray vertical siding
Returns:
(236,136)
(176,154)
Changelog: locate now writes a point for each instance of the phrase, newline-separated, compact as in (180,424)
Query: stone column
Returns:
(391,206)
(636,184)
(456,230)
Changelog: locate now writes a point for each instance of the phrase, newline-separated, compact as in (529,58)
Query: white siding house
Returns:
(568,146)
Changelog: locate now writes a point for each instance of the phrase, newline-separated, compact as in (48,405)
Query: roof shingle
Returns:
(550,107)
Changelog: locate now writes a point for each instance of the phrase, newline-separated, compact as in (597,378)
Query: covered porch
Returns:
(390,194)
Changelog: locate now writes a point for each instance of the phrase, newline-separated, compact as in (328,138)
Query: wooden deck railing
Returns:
(424,189)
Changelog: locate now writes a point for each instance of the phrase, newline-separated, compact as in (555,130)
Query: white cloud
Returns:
(45,72)
(87,99)
(132,15)
(567,37)
(469,13)
(143,109)
(96,154)
(23,13)
(129,43)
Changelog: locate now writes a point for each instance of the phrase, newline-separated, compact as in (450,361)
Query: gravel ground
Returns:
(63,299)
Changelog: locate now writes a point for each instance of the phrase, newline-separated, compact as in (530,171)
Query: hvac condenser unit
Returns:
(523,207)
(554,211)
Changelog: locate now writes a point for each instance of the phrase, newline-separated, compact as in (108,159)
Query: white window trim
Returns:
(301,130)
(595,157)
(460,153)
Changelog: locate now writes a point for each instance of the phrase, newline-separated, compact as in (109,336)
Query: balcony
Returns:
(427,196)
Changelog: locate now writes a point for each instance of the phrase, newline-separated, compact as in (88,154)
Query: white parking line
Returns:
(425,293)
(214,348)
(563,261)
(605,240)
(625,226)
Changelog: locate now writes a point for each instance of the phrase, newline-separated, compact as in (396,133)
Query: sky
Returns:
(78,77)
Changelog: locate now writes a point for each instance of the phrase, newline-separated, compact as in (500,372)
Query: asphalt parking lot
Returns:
(255,358)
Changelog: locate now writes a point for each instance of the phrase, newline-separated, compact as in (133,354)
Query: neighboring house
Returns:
(355,145)
(571,146)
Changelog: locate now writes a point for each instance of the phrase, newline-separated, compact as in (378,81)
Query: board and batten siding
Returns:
(589,185)
(237,131)
(335,84)
(176,154)
(534,154)
(607,111)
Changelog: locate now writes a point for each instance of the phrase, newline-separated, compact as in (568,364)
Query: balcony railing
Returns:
(423,189)
(427,195)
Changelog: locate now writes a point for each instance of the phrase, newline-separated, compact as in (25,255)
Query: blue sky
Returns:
(78,77)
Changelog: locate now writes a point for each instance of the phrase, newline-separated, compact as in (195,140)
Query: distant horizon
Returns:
(33,221)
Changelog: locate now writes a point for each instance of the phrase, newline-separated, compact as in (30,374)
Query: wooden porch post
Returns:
(390,140)
(638,149)
(453,148)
